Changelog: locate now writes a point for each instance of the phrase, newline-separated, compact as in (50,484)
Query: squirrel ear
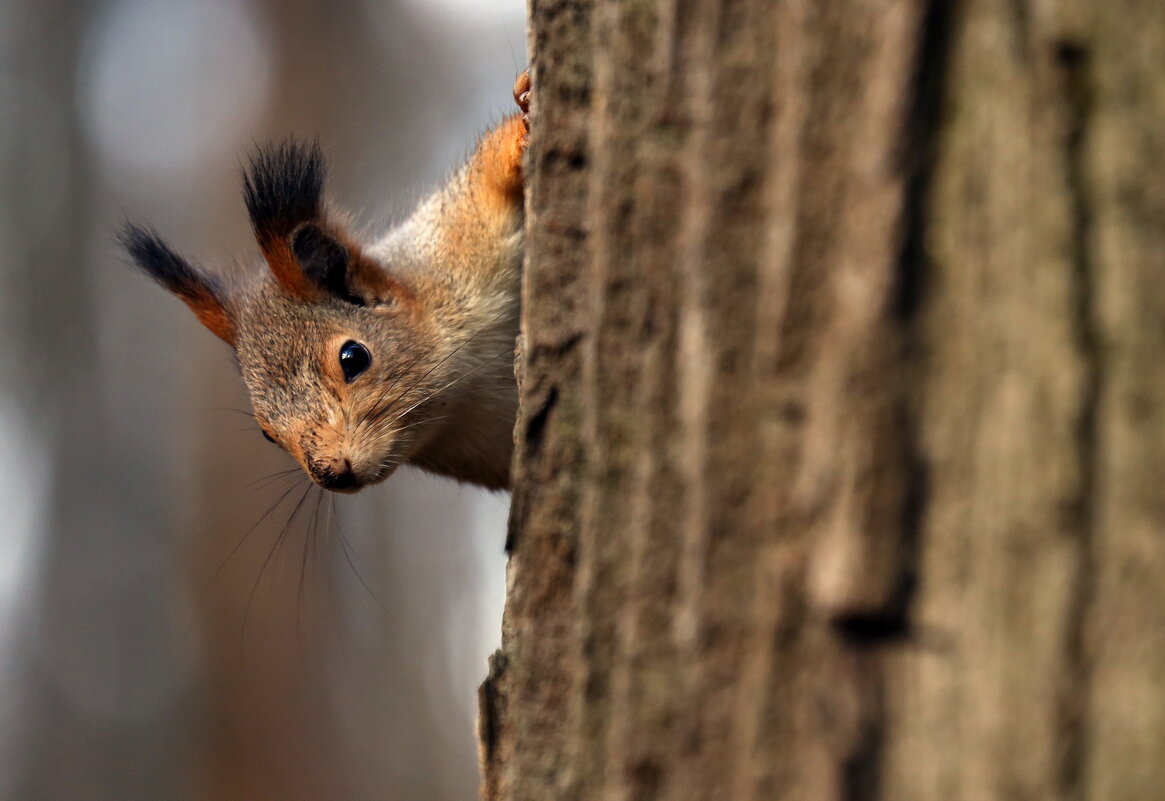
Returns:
(341,270)
(324,260)
(283,189)
(197,290)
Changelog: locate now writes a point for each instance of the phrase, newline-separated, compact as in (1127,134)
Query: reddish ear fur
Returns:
(198,291)
(213,316)
(287,270)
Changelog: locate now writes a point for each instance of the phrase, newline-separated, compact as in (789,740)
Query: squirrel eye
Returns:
(268,437)
(354,359)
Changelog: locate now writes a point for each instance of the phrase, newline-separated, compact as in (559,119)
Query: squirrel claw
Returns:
(522,96)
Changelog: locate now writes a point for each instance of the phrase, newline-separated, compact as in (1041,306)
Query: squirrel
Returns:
(360,357)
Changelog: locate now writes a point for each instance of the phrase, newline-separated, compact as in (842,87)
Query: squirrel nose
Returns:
(338,476)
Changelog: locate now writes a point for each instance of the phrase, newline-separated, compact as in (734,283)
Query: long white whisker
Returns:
(438,391)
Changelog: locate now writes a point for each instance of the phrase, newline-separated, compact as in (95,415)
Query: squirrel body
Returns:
(359,358)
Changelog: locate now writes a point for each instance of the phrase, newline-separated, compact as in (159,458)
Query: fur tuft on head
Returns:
(197,290)
(310,256)
(283,188)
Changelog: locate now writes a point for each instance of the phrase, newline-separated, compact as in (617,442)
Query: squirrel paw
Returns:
(522,97)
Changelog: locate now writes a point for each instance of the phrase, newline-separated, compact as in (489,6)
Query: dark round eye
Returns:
(268,437)
(354,359)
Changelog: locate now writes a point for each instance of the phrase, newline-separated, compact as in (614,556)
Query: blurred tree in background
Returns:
(839,471)
(141,655)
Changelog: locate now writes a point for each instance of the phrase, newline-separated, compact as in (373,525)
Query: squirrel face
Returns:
(341,387)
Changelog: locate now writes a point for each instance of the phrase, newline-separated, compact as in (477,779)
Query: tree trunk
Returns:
(839,467)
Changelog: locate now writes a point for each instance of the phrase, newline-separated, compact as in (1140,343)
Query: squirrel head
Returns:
(329,342)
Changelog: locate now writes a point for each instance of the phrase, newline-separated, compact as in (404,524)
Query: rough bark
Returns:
(843,411)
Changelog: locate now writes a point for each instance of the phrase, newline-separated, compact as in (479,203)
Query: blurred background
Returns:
(178,618)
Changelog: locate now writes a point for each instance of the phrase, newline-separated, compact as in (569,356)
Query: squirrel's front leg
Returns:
(496,166)
(477,216)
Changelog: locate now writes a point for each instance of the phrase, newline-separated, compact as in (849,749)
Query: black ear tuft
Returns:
(200,292)
(283,188)
(157,260)
(324,260)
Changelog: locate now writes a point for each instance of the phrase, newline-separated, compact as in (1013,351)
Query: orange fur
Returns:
(286,269)
(212,315)
(498,162)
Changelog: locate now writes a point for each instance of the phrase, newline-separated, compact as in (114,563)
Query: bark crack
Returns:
(919,151)
(862,767)
(1073,61)
(917,156)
